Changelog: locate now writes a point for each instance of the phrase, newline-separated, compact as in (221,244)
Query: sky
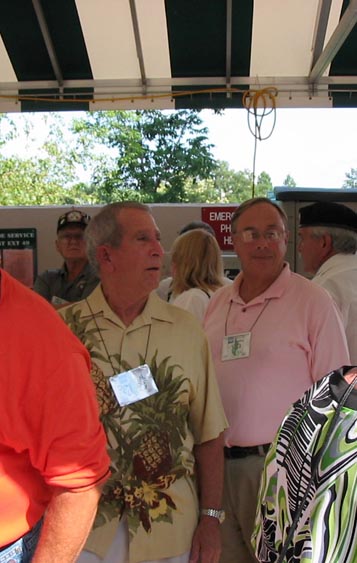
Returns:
(315,146)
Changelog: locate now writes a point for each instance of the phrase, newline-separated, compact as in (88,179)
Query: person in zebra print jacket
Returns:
(309,483)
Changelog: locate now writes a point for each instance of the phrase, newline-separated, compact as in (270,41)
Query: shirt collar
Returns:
(274,291)
(155,308)
(336,261)
(86,270)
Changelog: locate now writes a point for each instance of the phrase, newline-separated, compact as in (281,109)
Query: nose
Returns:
(75,240)
(157,248)
(262,241)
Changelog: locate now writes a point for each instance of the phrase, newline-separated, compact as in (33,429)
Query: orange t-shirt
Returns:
(50,434)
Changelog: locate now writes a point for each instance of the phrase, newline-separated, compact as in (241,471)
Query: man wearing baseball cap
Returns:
(76,279)
(328,244)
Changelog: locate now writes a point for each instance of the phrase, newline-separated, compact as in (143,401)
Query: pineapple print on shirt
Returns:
(146,440)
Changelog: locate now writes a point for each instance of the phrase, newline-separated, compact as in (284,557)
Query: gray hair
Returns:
(105,228)
(254,201)
(344,241)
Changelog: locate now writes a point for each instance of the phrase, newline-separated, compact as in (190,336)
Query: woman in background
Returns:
(197,271)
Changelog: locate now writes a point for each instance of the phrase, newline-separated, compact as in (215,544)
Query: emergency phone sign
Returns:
(220,220)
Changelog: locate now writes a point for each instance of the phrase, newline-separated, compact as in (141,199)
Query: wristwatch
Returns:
(214,513)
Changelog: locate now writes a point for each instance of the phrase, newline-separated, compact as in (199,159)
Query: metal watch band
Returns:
(214,512)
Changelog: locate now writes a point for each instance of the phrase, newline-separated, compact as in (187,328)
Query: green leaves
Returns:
(351,179)
(151,156)
(49,177)
(152,153)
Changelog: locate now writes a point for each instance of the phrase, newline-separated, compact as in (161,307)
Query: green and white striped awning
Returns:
(141,54)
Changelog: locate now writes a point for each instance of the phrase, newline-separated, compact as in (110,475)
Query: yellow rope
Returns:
(65,97)
(259,104)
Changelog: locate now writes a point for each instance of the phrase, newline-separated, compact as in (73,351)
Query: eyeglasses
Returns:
(67,237)
(251,235)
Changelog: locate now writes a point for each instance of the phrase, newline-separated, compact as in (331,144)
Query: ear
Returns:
(104,259)
(327,241)
(326,245)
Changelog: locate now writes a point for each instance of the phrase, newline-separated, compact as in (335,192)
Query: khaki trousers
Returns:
(241,486)
(119,551)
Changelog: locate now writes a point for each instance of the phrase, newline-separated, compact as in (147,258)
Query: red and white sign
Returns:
(220,220)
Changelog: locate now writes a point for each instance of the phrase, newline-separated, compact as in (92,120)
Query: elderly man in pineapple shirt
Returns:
(159,401)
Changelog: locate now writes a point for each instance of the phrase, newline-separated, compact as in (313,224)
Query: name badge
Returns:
(236,346)
(133,385)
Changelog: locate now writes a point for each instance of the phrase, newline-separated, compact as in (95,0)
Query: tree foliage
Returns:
(225,186)
(229,186)
(49,177)
(351,179)
(264,187)
(152,154)
(110,156)
(289,182)
(32,182)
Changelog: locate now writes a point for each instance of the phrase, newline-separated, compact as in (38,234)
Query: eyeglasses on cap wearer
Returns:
(67,237)
(251,235)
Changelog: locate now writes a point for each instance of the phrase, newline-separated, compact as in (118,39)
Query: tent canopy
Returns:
(143,54)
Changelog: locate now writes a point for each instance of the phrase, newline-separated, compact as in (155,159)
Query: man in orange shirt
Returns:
(52,446)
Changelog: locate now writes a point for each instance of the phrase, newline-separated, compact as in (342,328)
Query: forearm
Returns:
(210,468)
(67,523)
(206,541)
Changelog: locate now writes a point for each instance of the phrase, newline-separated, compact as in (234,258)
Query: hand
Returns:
(206,542)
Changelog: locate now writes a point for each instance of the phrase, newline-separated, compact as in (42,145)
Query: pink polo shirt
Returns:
(297,338)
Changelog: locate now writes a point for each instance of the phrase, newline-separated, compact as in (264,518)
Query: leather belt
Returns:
(236,452)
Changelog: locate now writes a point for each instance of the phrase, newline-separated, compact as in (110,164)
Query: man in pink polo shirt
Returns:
(272,333)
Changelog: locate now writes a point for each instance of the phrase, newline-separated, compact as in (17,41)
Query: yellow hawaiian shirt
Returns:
(151,441)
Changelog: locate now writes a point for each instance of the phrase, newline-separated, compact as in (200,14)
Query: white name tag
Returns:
(236,346)
(133,385)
